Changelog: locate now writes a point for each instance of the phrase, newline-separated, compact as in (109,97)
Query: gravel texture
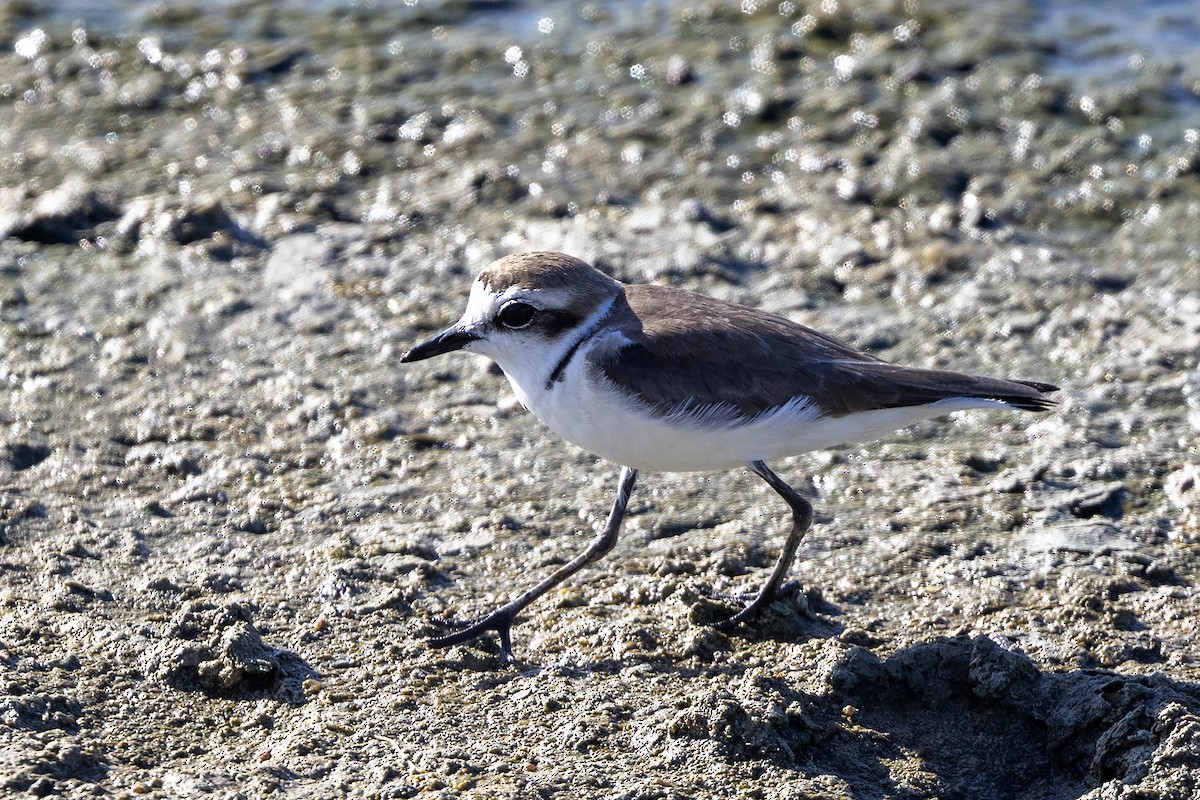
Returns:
(229,518)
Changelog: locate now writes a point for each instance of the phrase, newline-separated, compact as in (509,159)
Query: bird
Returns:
(661,379)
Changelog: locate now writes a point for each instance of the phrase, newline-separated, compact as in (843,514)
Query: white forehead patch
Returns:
(483,303)
(481,306)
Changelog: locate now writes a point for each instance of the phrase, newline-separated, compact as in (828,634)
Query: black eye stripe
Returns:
(553,323)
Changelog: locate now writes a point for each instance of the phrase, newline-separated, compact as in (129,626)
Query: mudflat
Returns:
(229,517)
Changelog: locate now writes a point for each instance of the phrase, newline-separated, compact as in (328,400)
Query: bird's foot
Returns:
(752,603)
(500,621)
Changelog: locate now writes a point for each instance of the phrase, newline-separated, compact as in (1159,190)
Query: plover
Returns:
(655,378)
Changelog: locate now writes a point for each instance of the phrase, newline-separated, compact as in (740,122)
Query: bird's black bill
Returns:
(447,341)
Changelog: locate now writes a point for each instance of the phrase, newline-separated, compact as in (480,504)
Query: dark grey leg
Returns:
(802,515)
(501,620)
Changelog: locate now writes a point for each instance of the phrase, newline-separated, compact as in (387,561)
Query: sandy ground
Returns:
(229,517)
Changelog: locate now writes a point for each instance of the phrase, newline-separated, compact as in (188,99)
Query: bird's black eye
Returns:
(516,314)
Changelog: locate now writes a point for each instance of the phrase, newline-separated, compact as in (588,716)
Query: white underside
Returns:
(591,413)
(603,422)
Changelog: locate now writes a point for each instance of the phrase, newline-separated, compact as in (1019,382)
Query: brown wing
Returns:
(697,352)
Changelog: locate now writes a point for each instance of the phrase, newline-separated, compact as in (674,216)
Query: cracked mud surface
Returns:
(229,517)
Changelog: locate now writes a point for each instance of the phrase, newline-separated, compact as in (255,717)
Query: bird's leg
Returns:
(501,620)
(802,515)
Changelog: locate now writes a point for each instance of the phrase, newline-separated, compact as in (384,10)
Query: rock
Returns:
(23,455)
(216,649)
(1182,488)
(64,215)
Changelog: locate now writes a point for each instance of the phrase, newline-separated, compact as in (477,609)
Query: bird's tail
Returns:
(893,386)
(1037,401)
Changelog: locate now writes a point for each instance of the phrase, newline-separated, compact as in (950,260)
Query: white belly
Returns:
(596,417)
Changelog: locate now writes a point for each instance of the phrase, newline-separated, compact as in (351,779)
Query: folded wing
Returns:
(746,362)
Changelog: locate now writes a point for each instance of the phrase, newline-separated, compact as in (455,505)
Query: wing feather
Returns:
(693,351)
